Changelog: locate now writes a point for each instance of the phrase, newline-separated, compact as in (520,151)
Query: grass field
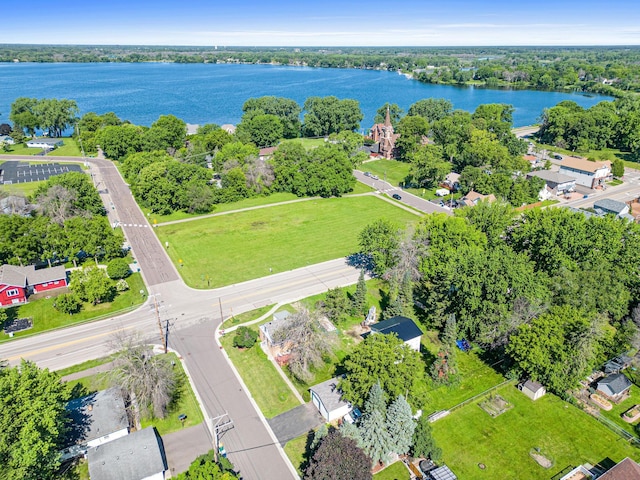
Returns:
(26,188)
(46,317)
(295,450)
(395,471)
(69,149)
(307,143)
(564,434)
(245,245)
(392,170)
(267,387)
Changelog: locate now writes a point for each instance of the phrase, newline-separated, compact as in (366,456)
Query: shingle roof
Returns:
(615,384)
(550,176)
(583,164)
(12,276)
(97,415)
(610,205)
(132,457)
(627,469)
(403,327)
(329,394)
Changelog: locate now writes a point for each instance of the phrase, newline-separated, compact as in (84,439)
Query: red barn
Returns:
(17,283)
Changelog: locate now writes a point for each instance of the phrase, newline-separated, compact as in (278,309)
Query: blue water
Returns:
(212,93)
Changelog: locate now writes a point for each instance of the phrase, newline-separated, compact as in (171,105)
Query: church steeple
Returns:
(387,118)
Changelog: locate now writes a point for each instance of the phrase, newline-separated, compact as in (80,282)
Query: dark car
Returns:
(367,174)
(396,196)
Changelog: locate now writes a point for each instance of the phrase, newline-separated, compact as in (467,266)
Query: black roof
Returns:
(404,327)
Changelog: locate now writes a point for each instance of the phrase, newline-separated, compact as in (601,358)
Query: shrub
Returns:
(122,285)
(118,268)
(68,303)
(245,337)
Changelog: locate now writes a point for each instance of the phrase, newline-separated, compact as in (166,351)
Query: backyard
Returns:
(560,432)
(251,244)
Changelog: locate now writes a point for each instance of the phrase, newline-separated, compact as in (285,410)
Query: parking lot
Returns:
(14,171)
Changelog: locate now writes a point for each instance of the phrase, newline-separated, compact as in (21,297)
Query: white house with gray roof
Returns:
(327,398)
(611,206)
(614,387)
(558,183)
(138,456)
(268,329)
(45,143)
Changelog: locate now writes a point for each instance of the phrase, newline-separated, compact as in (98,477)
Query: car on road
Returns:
(375,177)
(557,156)
(367,174)
(396,196)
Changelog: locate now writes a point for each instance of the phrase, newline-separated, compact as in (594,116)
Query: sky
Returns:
(323,23)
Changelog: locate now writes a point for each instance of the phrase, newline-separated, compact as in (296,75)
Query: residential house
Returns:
(17,283)
(268,329)
(586,173)
(327,398)
(626,469)
(45,143)
(266,153)
(97,419)
(137,456)
(614,387)
(533,390)
(230,129)
(606,205)
(404,328)
(531,159)
(452,180)
(7,139)
(384,137)
(557,183)
(472,198)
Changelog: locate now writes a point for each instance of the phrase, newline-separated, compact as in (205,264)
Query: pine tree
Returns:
(394,308)
(423,443)
(359,301)
(375,437)
(401,425)
(349,430)
(318,436)
(450,333)
(376,400)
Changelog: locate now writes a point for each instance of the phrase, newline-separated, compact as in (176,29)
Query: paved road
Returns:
(195,314)
(407,198)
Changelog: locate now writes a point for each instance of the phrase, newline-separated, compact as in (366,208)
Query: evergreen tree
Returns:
(376,400)
(375,437)
(359,301)
(350,430)
(318,436)
(401,425)
(450,333)
(394,308)
(423,443)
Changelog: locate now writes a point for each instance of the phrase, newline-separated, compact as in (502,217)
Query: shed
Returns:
(614,387)
(138,456)
(533,390)
(327,398)
(403,327)
(442,473)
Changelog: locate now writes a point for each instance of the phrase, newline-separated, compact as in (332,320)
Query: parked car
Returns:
(396,196)
(367,174)
(375,177)
(557,156)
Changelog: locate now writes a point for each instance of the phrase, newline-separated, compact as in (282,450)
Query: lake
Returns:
(214,93)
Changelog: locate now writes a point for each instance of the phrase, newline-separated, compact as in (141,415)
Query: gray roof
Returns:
(403,327)
(442,473)
(550,176)
(132,457)
(532,386)
(279,319)
(614,384)
(282,315)
(97,415)
(329,394)
(609,205)
(46,141)
(12,276)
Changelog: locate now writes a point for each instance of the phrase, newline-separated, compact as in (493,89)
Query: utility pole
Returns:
(156,310)
(219,426)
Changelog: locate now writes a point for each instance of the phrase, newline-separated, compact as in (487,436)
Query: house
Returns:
(230,129)
(45,143)
(472,198)
(606,205)
(614,387)
(581,472)
(138,456)
(7,139)
(268,329)
(533,390)
(405,329)
(531,159)
(586,173)
(327,398)
(453,181)
(97,419)
(558,183)
(266,153)
(384,137)
(17,283)
(627,469)
(442,473)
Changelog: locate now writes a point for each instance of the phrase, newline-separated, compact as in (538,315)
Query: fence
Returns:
(475,397)
(617,429)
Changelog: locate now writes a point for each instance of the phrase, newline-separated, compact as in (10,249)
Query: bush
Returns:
(118,268)
(245,337)
(68,303)
(122,285)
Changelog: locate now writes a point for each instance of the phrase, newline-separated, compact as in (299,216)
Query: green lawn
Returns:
(69,149)
(91,383)
(618,409)
(307,143)
(392,170)
(267,387)
(295,450)
(26,188)
(83,366)
(564,434)
(395,471)
(184,403)
(246,245)
(46,317)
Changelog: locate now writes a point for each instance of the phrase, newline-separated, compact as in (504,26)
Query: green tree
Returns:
(380,240)
(23,116)
(384,359)
(55,115)
(359,299)
(119,141)
(287,110)
(376,441)
(245,337)
(336,305)
(325,115)
(91,284)
(453,132)
(431,109)
(118,268)
(338,458)
(412,130)
(400,425)
(424,444)
(263,130)
(167,132)
(206,468)
(395,114)
(67,303)
(33,422)
(428,168)
(617,168)
(84,198)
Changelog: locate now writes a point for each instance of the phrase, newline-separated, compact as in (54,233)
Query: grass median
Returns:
(233,248)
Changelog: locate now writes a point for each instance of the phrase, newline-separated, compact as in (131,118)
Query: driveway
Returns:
(184,446)
(295,422)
